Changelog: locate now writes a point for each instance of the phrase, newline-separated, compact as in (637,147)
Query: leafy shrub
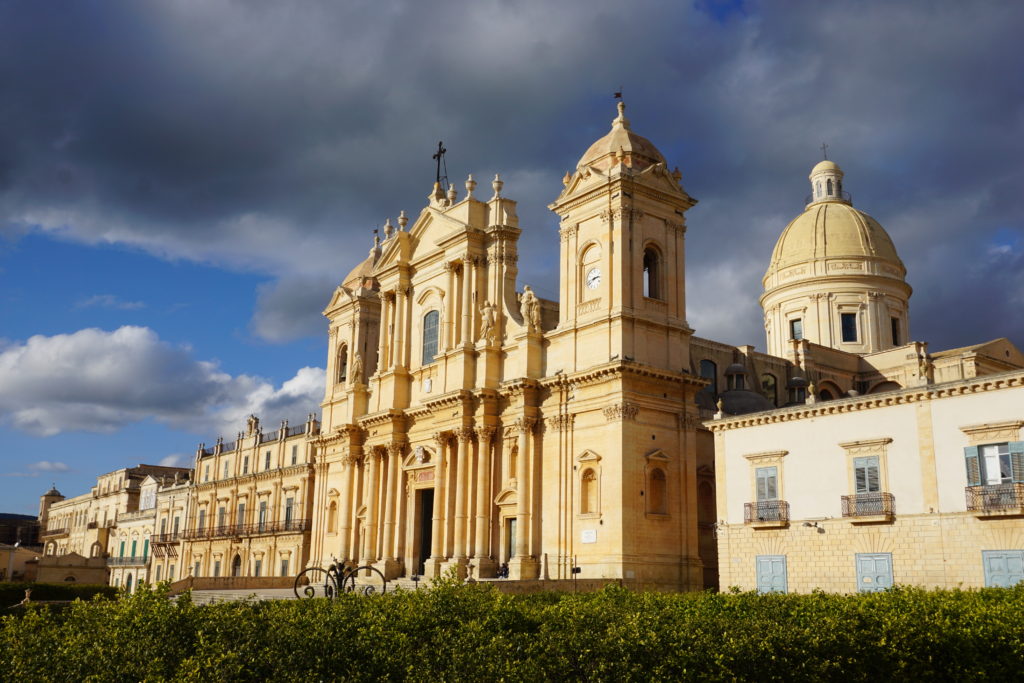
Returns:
(455,632)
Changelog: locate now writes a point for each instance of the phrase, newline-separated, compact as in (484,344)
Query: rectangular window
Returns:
(289,505)
(216,567)
(158,568)
(240,520)
(284,567)
(1003,568)
(895,324)
(225,469)
(222,516)
(122,549)
(295,454)
(874,572)
(263,515)
(796,328)
(206,475)
(195,571)
(145,549)
(135,546)
(202,520)
(849,324)
(866,475)
(170,573)
(163,526)
(245,465)
(257,567)
(767,483)
(771,574)
(176,520)
(266,462)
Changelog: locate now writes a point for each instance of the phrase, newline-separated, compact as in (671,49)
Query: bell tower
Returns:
(622,274)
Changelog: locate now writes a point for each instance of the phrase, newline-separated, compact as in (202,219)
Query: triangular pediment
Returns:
(588,456)
(657,455)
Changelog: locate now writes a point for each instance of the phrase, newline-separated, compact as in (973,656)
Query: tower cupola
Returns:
(827,183)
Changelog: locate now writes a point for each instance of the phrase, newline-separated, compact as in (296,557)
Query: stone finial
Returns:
(470,186)
(676,174)
(436,195)
(453,194)
(620,154)
(497,184)
(621,119)
(566,179)
(388,229)
(403,221)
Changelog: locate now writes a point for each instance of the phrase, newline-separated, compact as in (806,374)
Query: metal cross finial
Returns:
(824,151)
(618,93)
(438,156)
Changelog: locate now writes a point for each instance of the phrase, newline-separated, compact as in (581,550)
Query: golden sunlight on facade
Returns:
(470,426)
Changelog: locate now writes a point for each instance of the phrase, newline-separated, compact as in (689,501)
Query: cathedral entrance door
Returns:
(425,527)
(510,538)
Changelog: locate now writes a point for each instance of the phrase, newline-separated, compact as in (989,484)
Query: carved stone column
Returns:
(467,300)
(401,297)
(382,351)
(449,307)
(390,494)
(465,436)
(348,466)
(525,427)
(481,544)
(370,499)
(436,541)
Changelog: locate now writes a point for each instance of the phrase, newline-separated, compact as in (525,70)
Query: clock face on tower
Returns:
(593,278)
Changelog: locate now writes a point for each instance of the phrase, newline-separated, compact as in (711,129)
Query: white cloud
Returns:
(110,301)
(175,460)
(49,466)
(94,380)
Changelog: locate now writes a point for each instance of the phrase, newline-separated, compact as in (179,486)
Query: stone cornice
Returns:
(1006,380)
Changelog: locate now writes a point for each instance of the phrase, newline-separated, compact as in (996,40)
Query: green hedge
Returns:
(473,633)
(13,593)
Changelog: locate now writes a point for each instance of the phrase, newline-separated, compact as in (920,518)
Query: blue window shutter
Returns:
(1017,461)
(974,477)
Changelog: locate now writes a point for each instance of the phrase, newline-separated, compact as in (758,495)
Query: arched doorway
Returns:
(236,566)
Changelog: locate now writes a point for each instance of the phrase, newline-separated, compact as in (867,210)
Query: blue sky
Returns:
(183,183)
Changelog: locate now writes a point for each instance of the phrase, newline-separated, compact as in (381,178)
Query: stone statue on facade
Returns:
(252,425)
(488,317)
(357,368)
(529,307)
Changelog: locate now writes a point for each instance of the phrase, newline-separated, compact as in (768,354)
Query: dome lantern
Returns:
(827,183)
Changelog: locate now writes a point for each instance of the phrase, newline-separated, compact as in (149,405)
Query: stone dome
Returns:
(833,229)
(637,151)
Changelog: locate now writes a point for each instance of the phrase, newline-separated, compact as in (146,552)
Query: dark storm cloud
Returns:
(275,136)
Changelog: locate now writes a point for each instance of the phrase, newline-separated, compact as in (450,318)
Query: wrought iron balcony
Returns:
(766,513)
(997,499)
(55,531)
(877,506)
(242,530)
(166,538)
(136,561)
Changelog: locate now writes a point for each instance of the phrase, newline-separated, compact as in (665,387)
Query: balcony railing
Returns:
(257,529)
(166,538)
(137,561)
(766,511)
(996,498)
(876,504)
(55,531)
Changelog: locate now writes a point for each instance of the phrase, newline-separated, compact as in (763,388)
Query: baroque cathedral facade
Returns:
(470,425)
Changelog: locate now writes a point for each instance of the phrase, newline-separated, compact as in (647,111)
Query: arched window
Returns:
(431,323)
(828,186)
(819,188)
(656,498)
(236,566)
(342,363)
(652,274)
(588,492)
(825,395)
(590,272)
(332,517)
(708,370)
(768,387)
